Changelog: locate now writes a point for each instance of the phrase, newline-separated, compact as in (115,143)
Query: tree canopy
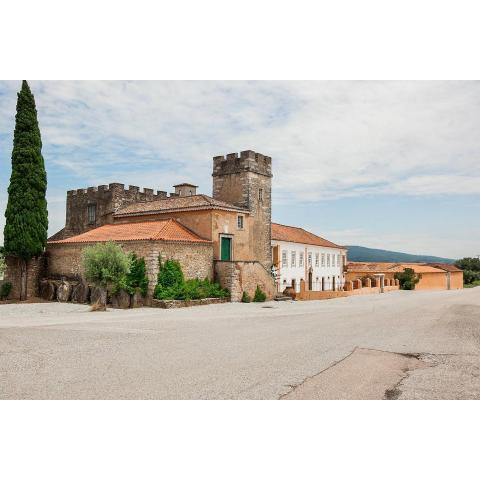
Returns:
(25,232)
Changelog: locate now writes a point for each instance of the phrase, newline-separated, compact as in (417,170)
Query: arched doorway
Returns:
(310,280)
(333,283)
(323,284)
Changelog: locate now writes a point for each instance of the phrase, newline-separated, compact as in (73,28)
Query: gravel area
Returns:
(246,351)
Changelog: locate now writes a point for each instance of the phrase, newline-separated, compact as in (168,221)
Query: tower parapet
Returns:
(247,160)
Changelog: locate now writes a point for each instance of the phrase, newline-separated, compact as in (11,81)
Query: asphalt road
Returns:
(395,345)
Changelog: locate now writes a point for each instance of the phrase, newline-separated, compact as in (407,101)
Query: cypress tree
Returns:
(25,233)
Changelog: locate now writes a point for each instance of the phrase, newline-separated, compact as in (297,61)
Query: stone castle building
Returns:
(226,236)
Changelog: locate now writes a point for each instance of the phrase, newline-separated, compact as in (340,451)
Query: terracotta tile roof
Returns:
(299,235)
(383,267)
(169,230)
(448,267)
(422,268)
(174,204)
(373,267)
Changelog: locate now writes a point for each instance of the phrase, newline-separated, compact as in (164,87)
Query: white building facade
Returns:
(301,255)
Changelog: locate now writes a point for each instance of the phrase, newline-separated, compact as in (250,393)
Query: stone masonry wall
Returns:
(35,270)
(241,277)
(196,259)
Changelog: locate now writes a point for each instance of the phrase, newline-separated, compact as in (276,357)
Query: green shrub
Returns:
(5,290)
(106,265)
(471,277)
(169,274)
(476,283)
(246,297)
(171,285)
(191,290)
(407,279)
(260,295)
(136,278)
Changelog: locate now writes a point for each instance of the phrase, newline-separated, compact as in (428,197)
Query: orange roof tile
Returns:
(299,235)
(372,267)
(448,267)
(175,204)
(391,267)
(167,230)
(421,268)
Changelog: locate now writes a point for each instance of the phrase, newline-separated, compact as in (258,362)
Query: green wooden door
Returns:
(226,249)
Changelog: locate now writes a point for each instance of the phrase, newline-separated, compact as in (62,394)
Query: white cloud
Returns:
(339,138)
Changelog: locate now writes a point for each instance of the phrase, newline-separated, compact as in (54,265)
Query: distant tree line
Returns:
(471,270)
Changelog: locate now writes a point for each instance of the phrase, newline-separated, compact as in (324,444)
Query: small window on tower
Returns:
(240,222)
(92,210)
(260,194)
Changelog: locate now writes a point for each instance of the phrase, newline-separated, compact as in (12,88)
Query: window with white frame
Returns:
(293,262)
(338,260)
(309,259)
(284,258)
(240,222)
(323,259)
(328,259)
(317,259)
(333,260)
(300,259)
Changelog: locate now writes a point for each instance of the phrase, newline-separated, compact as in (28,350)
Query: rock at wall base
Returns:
(80,293)
(98,295)
(120,300)
(64,291)
(137,300)
(47,290)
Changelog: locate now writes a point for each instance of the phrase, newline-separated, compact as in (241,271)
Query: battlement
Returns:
(246,161)
(146,194)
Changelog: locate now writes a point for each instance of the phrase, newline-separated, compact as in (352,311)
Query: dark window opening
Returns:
(92,213)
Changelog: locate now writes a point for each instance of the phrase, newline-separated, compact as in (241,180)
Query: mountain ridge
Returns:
(357,253)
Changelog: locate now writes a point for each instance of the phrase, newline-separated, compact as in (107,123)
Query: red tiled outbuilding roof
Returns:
(167,230)
(448,267)
(286,233)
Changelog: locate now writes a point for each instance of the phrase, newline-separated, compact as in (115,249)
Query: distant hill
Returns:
(364,254)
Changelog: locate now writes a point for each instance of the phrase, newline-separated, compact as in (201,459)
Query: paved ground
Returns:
(396,345)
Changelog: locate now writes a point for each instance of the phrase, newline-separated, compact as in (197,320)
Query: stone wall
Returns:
(196,259)
(35,270)
(241,277)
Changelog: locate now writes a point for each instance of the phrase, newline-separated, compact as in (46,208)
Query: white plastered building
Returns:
(301,255)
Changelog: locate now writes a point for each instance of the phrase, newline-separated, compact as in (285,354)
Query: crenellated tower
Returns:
(245,180)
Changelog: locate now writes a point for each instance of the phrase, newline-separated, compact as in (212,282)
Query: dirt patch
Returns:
(363,375)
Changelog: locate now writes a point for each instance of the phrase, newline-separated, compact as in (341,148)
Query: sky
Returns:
(382,164)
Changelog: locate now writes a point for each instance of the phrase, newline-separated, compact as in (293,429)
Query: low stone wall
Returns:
(324,295)
(244,276)
(186,303)
(348,292)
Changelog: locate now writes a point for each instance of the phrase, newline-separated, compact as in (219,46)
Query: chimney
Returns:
(185,189)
